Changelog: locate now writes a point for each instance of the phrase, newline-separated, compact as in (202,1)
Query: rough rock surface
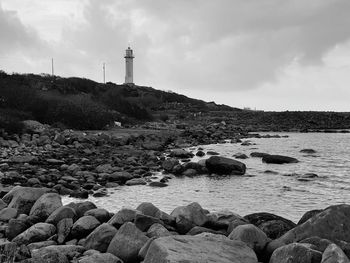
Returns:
(36,233)
(223,165)
(100,238)
(46,205)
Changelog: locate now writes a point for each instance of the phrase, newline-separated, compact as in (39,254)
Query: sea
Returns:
(281,189)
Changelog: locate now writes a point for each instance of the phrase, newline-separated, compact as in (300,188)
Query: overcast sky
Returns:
(263,54)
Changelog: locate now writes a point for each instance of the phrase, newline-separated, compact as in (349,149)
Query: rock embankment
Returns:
(42,229)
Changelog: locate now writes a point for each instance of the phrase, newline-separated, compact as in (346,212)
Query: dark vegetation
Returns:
(85,104)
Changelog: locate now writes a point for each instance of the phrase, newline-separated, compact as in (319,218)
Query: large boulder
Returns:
(122,216)
(222,165)
(101,214)
(61,213)
(189,216)
(254,237)
(296,253)
(84,226)
(8,213)
(36,233)
(127,243)
(82,207)
(64,227)
(100,238)
(332,224)
(45,205)
(278,159)
(274,226)
(23,198)
(15,227)
(334,254)
(120,177)
(100,258)
(210,249)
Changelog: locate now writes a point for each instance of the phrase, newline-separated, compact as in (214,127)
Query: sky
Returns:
(263,54)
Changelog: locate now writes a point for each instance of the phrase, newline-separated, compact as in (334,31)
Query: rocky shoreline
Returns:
(39,166)
(36,227)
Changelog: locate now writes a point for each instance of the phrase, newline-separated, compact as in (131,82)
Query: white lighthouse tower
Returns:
(129,74)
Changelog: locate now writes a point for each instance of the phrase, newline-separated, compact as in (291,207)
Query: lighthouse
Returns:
(129,66)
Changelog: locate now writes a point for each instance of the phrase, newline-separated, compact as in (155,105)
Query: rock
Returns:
(7,251)
(157,184)
(148,209)
(223,165)
(119,177)
(308,215)
(212,153)
(22,159)
(143,222)
(295,253)
(56,254)
(278,159)
(36,233)
(41,244)
(223,219)
(127,243)
(23,198)
(169,164)
(210,249)
(32,126)
(274,226)
(82,207)
(123,216)
(334,254)
(258,154)
(15,227)
(105,168)
(46,205)
(61,213)
(254,237)
(55,161)
(136,181)
(100,258)
(319,244)
(100,214)
(84,226)
(199,230)
(8,213)
(189,216)
(241,156)
(2,204)
(33,181)
(200,153)
(158,230)
(180,153)
(190,172)
(64,227)
(100,238)
(308,151)
(332,223)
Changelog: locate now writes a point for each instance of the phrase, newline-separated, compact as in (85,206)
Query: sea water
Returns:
(278,191)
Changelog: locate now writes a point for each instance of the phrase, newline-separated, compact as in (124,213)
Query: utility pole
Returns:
(104,73)
(52,71)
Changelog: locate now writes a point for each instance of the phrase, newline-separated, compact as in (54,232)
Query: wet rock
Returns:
(36,233)
(127,243)
(157,184)
(8,213)
(100,214)
(254,237)
(81,194)
(223,220)
(23,198)
(334,254)
(136,181)
(199,230)
(180,153)
(190,172)
(61,213)
(279,159)
(308,151)
(119,177)
(64,227)
(46,205)
(100,238)
(319,244)
(105,168)
(123,216)
(169,164)
(41,244)
(100,258)
(274,226)
(188,217)
(258,154)
(241,156)
(22,159)
(2,204)
(295,253)
(212,153)
(82,207)
(200,153)
(84,226)
(223,165)
(192,248)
